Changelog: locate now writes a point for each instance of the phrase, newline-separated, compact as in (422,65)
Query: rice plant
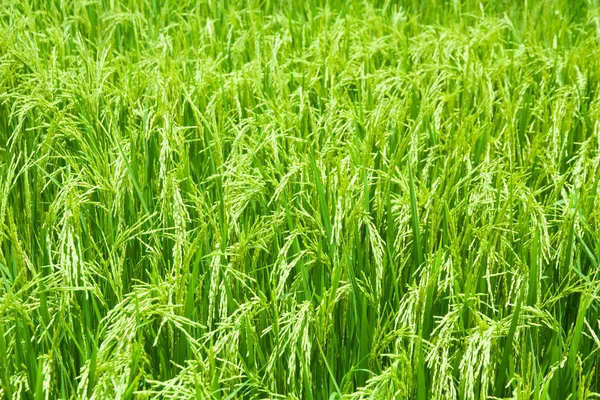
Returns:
(315,199)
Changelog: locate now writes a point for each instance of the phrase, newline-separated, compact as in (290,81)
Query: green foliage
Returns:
(299,199)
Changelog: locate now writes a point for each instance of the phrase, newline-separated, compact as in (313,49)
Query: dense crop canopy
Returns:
(299,199)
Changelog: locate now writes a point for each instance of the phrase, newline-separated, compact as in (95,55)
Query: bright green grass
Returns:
(299,199)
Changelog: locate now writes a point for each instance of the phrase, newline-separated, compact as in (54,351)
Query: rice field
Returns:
(320,199)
